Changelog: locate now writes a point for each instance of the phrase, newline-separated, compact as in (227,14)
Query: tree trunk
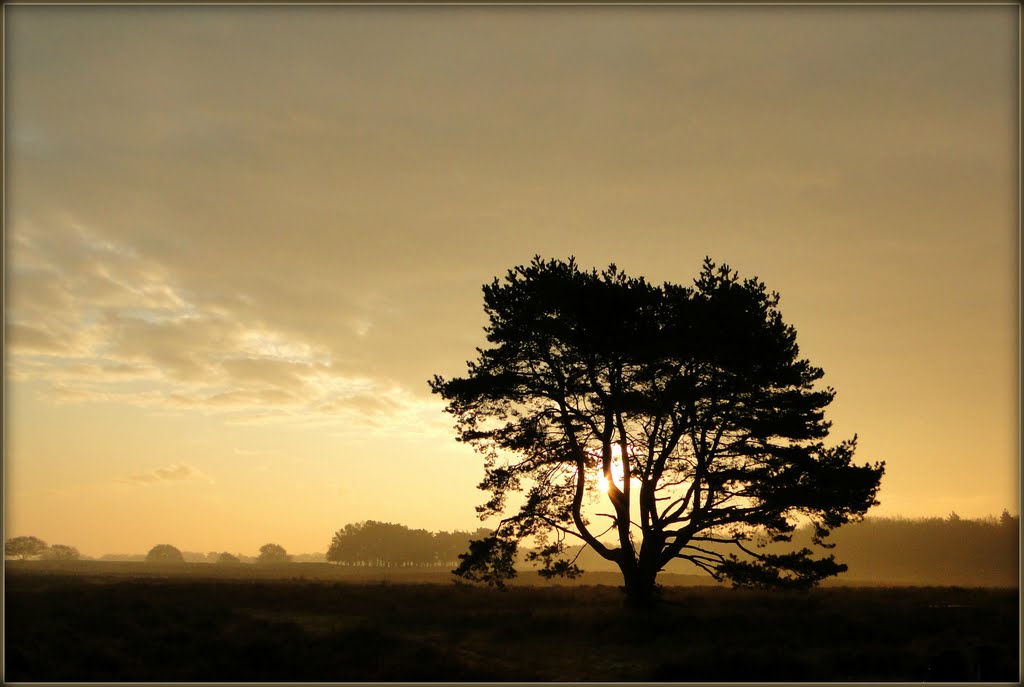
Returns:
(640,588)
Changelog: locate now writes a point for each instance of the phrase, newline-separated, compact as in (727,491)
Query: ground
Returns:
(132,621)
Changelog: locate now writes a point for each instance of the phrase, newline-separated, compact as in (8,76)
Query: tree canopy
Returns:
(25,547)
(165,553)
(273,553)
(686,412)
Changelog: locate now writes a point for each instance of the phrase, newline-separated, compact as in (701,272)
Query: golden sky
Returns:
(239,240)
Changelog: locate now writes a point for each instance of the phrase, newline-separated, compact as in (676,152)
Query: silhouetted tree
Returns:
(24,547)
(689,407)
(62,552)
(228,558)
(165,553)
(273,553)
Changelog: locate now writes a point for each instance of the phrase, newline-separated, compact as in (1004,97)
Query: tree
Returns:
(373,543)
(1007,520)
(384,544)
(227,558)
(24,547)
(164,553)
(62,552)
(273,553)
(686,411)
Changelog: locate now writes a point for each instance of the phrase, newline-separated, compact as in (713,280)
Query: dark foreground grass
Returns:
(63,627)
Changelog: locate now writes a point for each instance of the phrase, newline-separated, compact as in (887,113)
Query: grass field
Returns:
(92,621)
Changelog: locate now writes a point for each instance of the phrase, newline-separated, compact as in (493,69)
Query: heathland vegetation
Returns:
(171,626)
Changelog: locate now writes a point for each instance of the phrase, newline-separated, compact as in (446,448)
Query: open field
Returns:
(110,570)
(132,621)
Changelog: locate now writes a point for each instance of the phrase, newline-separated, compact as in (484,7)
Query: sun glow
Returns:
(602,483)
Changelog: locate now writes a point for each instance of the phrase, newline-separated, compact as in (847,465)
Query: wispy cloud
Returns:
(99,321)
(178,472)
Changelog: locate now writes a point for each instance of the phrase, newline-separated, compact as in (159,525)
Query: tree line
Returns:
(950,550)
(369,544)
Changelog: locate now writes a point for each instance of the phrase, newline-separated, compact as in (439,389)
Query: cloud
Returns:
(26,338)
(99,321)
(178,472)
(281,373)
(362,402)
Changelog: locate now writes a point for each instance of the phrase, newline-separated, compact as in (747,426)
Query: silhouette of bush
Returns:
(62,552)
(227,558)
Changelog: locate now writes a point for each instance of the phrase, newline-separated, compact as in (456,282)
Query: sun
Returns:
(602,482)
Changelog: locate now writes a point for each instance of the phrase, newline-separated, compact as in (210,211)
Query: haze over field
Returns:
(239,240)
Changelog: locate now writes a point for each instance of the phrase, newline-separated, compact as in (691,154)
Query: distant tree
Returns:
(164,553)
(62,552)
(228,558)
(24,547)
(686,410)
(273,553)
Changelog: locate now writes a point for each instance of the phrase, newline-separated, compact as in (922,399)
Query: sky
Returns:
(238,241)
